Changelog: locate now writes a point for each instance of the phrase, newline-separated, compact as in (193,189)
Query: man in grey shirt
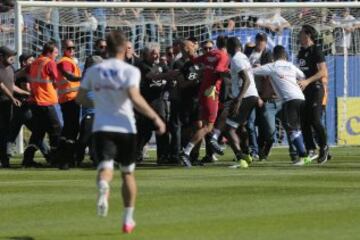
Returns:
(7,87)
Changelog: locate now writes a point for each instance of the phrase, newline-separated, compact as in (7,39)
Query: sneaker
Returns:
(302,161)
(214,158)
(324,155)
(185,159)
(32,164)
(215,146)
(242,164)
(102,203)
(312,154)
(128,228)
(209,159)
(247,158)
(255,157)
(263,159)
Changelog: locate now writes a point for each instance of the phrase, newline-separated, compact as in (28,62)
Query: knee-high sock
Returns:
(297,139)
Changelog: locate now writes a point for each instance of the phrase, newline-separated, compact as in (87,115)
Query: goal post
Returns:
(165,22)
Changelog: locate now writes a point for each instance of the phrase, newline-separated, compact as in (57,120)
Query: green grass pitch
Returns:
(270,201)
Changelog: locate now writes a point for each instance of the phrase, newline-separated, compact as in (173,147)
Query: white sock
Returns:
(128,215)
(188,148)
(216,134)
(103,186)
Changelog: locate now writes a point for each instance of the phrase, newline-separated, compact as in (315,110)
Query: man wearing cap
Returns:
(67,88)
(7,88)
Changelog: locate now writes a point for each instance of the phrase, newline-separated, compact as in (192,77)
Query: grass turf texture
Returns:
(271,200)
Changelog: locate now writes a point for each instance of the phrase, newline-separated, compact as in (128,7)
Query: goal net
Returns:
(337,25)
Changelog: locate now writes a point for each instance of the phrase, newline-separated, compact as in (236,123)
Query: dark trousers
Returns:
(311,117)
(45,121)
(5,118)
(23,116)
(71,114)
(85,137)
(145,128)
(175,130)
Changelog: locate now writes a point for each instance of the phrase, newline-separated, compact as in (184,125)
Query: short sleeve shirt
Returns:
(110,81)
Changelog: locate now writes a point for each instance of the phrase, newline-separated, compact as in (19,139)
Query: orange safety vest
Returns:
(41,85)
(67,90)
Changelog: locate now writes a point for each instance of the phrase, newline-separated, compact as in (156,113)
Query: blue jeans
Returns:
(266,116)
(252,131)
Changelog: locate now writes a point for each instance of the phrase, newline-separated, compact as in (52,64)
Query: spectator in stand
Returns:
(346,25)
(6,5)
(275,23)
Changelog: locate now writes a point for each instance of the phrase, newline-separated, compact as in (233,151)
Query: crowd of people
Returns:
(223,92)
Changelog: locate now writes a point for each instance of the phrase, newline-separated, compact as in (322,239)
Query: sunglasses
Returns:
(70,48)
(208,48)
(102,47)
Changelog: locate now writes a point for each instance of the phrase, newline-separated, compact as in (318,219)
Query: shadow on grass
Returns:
(19,238)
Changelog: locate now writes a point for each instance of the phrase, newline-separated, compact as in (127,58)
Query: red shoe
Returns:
(128,228)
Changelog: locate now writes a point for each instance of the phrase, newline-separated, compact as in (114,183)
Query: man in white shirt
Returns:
(116,91)
(245,99)
(284,76)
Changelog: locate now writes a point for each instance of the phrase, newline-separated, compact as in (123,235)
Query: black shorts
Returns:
(247,105)
(291,114)
(120,147)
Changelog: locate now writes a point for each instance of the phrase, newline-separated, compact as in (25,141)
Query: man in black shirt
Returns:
(187,108)
(7,99)
(312,62)
(154,78)
(22,115)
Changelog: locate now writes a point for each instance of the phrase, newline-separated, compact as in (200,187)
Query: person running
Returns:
(115,84)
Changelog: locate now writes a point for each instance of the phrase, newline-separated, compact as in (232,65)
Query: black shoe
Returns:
(207,159)
(215,146)
(197,163)
(32,164)
(185,159)
(4,164)
(64,166)
(294,158)
(324,155)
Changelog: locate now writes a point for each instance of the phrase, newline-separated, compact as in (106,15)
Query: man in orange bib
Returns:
(67,88)
(42,76)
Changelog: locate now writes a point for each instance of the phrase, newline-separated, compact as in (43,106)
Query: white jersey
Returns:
(110,81)
(284,76)
(240,62)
